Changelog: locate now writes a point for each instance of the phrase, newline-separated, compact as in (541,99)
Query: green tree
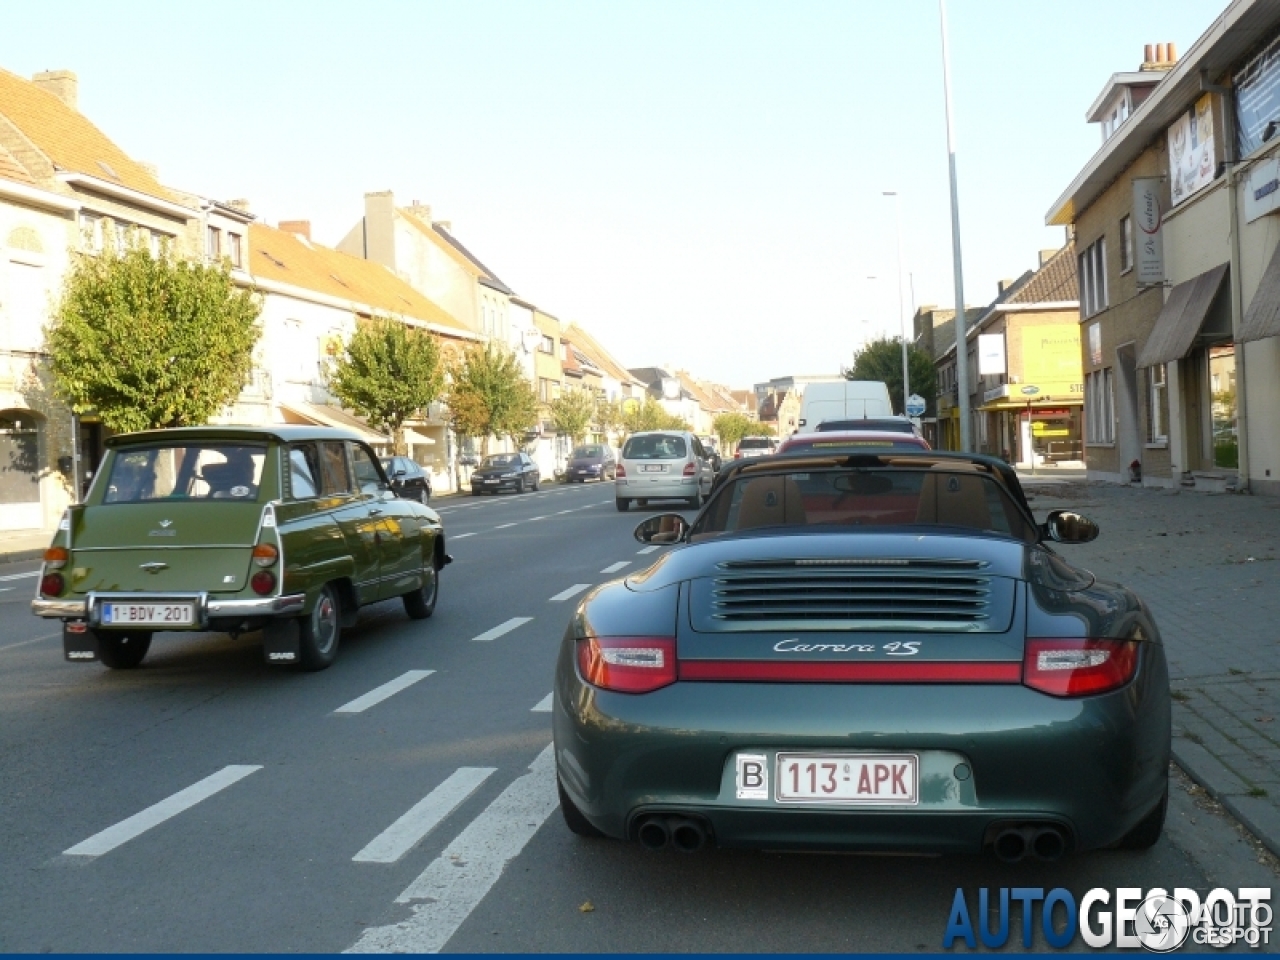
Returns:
(609,416)
(149,341)
(732,427)
(882,360)
(572,412)
(649,414)
(489,396)
(388,373)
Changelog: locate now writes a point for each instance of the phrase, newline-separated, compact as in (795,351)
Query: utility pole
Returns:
(902,304)
(961,321)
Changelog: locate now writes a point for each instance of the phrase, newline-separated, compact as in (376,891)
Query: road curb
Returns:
(17,556)
(1271,842)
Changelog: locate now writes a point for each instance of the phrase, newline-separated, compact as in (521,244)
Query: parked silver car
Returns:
(663,465)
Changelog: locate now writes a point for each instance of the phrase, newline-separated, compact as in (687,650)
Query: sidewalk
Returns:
(23,544)
(1209,567)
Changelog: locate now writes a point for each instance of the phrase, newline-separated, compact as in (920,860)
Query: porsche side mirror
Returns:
(1067,526)
(664,528)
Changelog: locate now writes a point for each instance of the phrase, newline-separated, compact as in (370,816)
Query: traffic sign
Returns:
(1030,390)
(915,405)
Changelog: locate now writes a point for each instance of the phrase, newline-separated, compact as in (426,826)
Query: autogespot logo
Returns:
(1127,917)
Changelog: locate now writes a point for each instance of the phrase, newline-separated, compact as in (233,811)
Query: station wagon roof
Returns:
(279,432)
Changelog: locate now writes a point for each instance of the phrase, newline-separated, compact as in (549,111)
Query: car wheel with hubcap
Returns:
(123,651)
(623,504)
(423,496)
(1148,830)
(319,631)
(535,484)
(421,603)
(573,818)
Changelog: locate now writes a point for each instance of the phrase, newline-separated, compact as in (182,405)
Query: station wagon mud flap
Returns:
(78,641)
(282,641)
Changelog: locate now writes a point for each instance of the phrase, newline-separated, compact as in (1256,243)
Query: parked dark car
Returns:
(408,480)
(712,451)
(591,461)
(877,652)
(505,471)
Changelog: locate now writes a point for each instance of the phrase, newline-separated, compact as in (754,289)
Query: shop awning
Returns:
(1262,319)
(1181,318)
(327,416)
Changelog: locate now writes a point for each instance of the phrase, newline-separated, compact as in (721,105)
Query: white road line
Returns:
(531,519)
(500,629)
(573,591)
(20,576)
(615,567)
(558,512)
(23,643)
(141,822)
(503,526)
(543,705)
(388,689)
(443,895)
(648,549)
(424,816)
(460,536)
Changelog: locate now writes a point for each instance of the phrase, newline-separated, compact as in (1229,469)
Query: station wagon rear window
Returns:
(655,446)
(197,471)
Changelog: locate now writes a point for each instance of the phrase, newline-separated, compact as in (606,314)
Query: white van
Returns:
(843,400)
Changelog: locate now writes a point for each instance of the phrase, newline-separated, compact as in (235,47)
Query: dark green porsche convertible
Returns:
(285,529)
(875,652)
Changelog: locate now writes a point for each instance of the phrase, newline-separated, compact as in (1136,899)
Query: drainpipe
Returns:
(1237,307)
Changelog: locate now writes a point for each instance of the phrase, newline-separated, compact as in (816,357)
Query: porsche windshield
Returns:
(847,499)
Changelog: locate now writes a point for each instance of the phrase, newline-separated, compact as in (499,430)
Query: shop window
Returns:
(1222,385)
(1099,404)
(1157,404)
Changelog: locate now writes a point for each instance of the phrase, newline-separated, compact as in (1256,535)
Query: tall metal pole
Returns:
(902,303)
(961,321)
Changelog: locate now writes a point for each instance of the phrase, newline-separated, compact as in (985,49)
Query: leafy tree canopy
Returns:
(489,395)
(733,426)
(882,360)
(572,412)
(150,342)
(389,373)
(649,414)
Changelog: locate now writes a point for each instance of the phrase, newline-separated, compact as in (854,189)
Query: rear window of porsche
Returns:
(656,446)
(204,471)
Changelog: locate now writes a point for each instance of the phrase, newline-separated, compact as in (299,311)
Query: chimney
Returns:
(61,83)
(1046,256)
(1173,53)
(1004,284)
(1159,56)
(380,228)
(300,227)
(1148,54)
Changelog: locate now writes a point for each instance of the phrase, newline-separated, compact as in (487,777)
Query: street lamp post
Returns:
(902,304)
(961,321)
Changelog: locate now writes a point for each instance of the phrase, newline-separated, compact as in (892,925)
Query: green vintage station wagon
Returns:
(285,529)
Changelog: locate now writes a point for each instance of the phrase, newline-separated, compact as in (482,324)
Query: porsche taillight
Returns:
(1078,667)
(628,664)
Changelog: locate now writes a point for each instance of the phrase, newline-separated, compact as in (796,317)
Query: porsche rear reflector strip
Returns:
(773,671)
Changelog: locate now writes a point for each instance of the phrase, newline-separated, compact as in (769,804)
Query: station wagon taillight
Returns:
(628,664)
(265,554)
(690,469)
(55,558)
(1078,667)
(263,582)
(621,471)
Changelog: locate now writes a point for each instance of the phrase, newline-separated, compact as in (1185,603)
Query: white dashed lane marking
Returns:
(615,567)
(460,536)
(388,689)
(648,549)
(543,705)
(158,813)
(573,591)
(423,817)
(20,576)
(500,629)
(443,896)
(503,526)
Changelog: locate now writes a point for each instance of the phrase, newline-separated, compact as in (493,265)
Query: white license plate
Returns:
(149,614)
(847,778)
(653,468)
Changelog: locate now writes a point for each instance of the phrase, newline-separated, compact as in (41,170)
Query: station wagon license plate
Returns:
(848,778)
(653,468)
(148,614)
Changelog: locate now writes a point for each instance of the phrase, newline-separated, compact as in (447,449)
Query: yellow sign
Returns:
(1051,359)
(1040,431)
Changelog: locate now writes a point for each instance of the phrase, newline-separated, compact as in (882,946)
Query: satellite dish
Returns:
(670,388)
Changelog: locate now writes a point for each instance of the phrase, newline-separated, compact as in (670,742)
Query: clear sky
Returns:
(698,183)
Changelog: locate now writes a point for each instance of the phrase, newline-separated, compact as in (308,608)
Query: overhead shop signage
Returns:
(990,354)
(1191,153)
(1257,89)
(1262,188)
(1148,241)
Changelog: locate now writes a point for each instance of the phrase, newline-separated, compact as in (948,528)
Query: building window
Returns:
(213,243)
(91,232)
(121,232)
(547,345)
(1157,398)
(234,250)
(1093,278)
(1126,243)
(1099,404)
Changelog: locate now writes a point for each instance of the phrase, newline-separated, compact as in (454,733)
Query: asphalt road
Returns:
(208,802)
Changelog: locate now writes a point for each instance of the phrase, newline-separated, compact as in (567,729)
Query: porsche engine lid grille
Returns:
(863,594)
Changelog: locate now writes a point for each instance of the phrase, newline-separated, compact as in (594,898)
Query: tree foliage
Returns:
(389,373)
(649,414)
(732,427)
(572,412)
(489,395)
(149,341)
(609,416)
(882,360)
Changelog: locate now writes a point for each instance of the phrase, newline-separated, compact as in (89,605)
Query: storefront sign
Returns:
(1051,357)
(1148,239)
(990,354)
(1192,159)
(1257,89)
(1262,188)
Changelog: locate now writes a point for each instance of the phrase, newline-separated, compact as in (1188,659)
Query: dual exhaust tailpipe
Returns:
(1042,841)
(686,834)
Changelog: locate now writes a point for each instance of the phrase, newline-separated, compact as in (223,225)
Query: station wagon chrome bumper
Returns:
(207,608)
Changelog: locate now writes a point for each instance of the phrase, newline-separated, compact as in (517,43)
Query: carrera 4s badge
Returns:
(895,648)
